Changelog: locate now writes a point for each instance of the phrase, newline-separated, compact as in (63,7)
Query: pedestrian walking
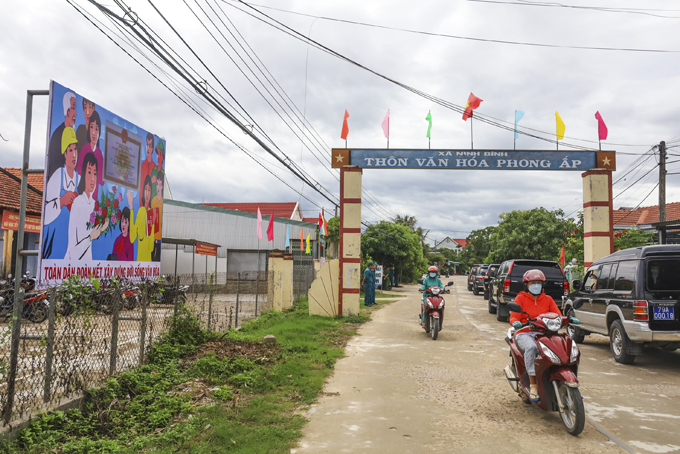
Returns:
(369,285)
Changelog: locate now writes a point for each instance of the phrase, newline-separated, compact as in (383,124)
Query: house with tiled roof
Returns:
(456,244)
(643,218)
(10,197)
(285,210)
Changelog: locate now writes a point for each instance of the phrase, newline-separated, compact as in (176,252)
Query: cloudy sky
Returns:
(636,93)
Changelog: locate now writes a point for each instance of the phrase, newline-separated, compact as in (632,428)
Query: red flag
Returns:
(270,229)
(562,256)
(325,223)
(472,103)
(345,127)
(601,127)
(302,241)
(320,223)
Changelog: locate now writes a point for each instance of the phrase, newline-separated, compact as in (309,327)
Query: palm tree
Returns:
(408,221)
(422,234)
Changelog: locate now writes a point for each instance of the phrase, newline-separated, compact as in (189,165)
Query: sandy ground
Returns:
(397,391)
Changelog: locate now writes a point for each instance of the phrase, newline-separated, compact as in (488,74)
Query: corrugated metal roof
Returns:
(280,210)
(231,229)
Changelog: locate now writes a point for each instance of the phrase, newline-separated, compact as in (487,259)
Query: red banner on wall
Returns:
(10,221)
(206,249)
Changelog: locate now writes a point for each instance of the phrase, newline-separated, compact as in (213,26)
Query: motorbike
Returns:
(35,309)
(556,369)
(434,310)
(130,297)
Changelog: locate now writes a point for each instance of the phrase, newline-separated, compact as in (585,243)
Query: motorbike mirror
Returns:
(514,307)
(577,304)
(449,284)
(576,283)
(420,281)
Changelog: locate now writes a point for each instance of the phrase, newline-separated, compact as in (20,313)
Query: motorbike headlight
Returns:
(553,324)
(550,354)
(435,291)
(441,305)
(574,352)
(429,304)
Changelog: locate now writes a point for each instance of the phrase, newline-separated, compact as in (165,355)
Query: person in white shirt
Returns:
(80,236)
(59,195)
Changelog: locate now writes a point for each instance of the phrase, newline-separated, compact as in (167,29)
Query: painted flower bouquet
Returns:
(106,208)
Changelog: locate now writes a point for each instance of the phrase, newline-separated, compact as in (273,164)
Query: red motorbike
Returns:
(434,309)
(556,365)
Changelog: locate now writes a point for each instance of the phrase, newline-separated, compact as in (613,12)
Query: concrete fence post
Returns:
(49,354)
(238,288)
(117,299)
(142,334)
(14,353)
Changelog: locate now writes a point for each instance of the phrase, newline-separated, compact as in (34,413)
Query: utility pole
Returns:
(662,190)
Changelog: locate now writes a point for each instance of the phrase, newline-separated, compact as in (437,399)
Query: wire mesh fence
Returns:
(57,342)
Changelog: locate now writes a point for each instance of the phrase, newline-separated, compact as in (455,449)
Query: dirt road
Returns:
(397,391)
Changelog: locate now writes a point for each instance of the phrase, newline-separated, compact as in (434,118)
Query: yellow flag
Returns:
(309,249)
(560,126)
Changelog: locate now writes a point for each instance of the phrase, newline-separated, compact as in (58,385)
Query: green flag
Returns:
(429,128)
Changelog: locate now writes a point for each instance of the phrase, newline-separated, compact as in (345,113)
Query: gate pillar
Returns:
(350,240)
(598,228)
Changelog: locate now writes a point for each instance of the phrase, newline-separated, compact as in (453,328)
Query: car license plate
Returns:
(664,313)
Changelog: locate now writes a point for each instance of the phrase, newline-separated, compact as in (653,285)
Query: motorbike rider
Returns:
(432,280)
(534,302)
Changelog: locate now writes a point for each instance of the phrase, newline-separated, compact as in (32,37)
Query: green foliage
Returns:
(394,244)
(531,234)
(333,230)
(633,238)
(574,248)
(478,246)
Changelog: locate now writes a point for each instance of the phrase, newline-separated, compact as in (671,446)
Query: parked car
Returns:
(478,282)
(508,283)
(471,277)
(632,297)
(488,276)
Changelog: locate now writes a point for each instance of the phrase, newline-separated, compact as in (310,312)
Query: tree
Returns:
(394,244)
(530,234)
(632,238)
(333,230)
(478,246)
(408,221)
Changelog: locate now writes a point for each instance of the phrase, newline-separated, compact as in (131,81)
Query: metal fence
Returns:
(71,338)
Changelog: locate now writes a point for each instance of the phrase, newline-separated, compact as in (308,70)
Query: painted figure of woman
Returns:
(80,237)
(122,247)
(94,128)
(141,226)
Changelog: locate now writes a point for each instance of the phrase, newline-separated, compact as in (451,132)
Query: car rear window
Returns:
(551,271)
(663,275)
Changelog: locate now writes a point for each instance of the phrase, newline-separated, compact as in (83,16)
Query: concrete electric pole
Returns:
(662,190)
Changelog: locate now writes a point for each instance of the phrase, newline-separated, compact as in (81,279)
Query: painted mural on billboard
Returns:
(103,196)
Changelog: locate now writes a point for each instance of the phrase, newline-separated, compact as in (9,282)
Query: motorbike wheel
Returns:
(574,415)
(434,327)
(38,312)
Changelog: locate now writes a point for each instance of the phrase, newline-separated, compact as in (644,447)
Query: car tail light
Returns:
(506,285)
(566,288)
(640,313)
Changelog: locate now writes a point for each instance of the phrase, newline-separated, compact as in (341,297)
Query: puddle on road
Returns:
(597,412)
(653,447)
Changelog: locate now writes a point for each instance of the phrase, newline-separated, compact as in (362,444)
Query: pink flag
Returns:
(601,127)
(259,224)
(270,228)
(386,124)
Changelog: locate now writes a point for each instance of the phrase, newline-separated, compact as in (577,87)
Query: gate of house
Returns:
(303,270)
(597,167)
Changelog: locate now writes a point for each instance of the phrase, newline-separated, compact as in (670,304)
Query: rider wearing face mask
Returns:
(534,302)
(430,281)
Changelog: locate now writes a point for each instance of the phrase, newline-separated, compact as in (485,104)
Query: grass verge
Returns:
(202,392)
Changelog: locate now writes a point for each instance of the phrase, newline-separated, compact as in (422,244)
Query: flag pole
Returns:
(514,136)
(429,140)
(472,142)
(388,130)
(600,142)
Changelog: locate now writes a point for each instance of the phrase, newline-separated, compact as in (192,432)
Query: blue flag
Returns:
(288,236)
(518,116)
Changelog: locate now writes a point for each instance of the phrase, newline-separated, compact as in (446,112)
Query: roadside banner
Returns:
(206,249)
(103,194)
(10,221)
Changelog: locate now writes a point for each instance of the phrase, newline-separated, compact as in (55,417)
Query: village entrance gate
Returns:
(597,167)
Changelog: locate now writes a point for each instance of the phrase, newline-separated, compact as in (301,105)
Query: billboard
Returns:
(103,194)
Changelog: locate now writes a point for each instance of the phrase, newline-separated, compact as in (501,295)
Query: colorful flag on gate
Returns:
(302,241)
(518,116)
(429,127)
(320,225)
(560,126)
(287,236)
(562,256)
(270,228)
(259,224)
(345,127)
(601,127)
(386,124)
(472,103)
(309,249)
(325,223)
